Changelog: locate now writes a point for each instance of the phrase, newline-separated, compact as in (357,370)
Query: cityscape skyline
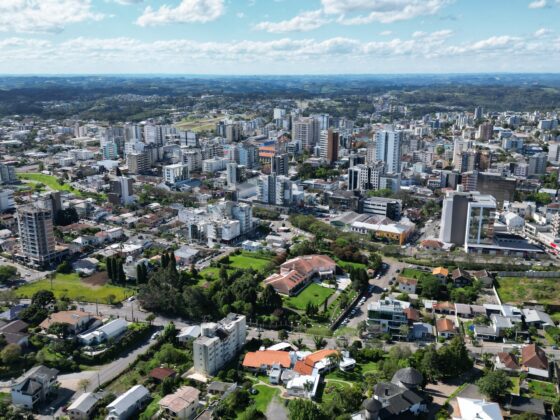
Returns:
(278,37)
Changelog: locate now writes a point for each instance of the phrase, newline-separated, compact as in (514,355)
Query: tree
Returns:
(300,409)
(454,358)
(110,269)
(150,318)
(282,335)
(84,383)
(526,416)
(10,354)
(319,342)
(270,300)
(252,413)
(33,314)
(60,329)
(7,273)
(121,276)
(43,298)
(495,384)
(430,287)
(64,267)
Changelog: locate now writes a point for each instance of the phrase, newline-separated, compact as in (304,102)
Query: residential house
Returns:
(77,320)
(186,255)
(83,406)
(12,313)
(389,314)
(534,361)
(446,328)
(182,404)
(441,273)
(110,330)
(221,388)
(446,308)
(159,374)
(15,332)
(506,361)
(537,318)
(422,331)
(407,285)
(316,363)
(296,273)
(188,333)
(400,397)
(304,386)
(484,277)
(470,404)
(34,387)
(461,278)
(498,325)
(128,404)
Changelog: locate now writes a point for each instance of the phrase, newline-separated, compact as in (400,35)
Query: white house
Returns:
(110,330)
(128,404)
(33,387)
(82,407)
(303,386)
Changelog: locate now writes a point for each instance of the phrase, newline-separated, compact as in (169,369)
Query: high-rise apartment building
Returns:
(388,149)
(537,164)
(485,131)
(328,145)
(121,191)
(478,113)
(138,162)
(6,200)
(306,131)
(175,173)
(279,164)
(36,234)
(219,343)
(365,177)
(7,174)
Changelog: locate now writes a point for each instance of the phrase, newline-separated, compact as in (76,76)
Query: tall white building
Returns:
(176,173)
(219,343)
(306,131)
(388,149)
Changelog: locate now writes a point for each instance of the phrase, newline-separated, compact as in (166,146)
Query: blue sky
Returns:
(279,36)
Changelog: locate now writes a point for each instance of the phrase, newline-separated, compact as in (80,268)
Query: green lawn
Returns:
(49,180)
(73,287)
(516,382)
(519,289)
(264,397)
(542,390)
(330,387)
(414,273)
(312,293)
(346,265)
(246,260)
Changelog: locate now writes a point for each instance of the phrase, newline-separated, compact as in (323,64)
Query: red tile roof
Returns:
(161,373)
(508,360)
(257,359)
(445,325)
(534,357)
(298,270)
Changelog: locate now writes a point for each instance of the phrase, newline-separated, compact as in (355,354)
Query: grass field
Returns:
(346,265)
(312,293)
(73,287)
(520,289)
(331,386)
(198,124)
(264,397)
(542,390)
(415,274)
(246,260)
(516,382)
(49,180)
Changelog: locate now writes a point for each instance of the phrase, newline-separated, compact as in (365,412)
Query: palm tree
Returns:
(319,342)
(335,358)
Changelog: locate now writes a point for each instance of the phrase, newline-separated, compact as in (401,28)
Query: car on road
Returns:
(131,299)
(155,335)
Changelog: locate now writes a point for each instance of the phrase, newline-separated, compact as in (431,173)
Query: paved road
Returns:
(27,274)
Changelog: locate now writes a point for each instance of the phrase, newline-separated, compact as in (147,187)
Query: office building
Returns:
(36,235)
(6,200)
(468,219)
(365,177)
(328,145)
(388,207)
(306,131)
(279,164)
(179,172)
(219,343)
(388,149)
(138,162)
(7,174)
(500,187)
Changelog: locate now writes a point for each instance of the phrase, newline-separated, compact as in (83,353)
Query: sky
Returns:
(278,36)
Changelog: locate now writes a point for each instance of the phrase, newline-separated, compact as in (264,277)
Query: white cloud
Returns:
(384,11)
(188,11)
(425,51)
(539,33)
(240,15)
(129,2)
(305,21)
(537,4)
(44,15)
(386,33)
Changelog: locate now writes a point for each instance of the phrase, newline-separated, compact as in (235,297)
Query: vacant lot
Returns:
(198,124)
(73,287)
(542,390)
(312,293)
(49,180)
(521,289)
